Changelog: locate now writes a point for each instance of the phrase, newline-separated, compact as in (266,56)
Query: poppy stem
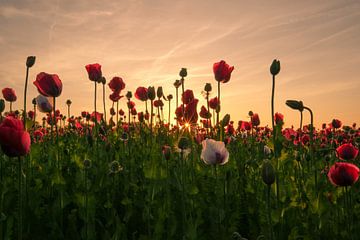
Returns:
(104,104)
(312,145)
(25,91)
(274,138)
(218,108)
(269,211)
(20,198)
(177,105)
(54,120)
(301,119)
(117,115)
(208,109)
(169,112)
(10,107)
(95,120)
(151,116)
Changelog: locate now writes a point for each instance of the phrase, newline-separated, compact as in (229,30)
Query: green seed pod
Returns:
(275,67)
(30,61)
(151,93)
(208,87)
(159,92)
(183,72)
(297,105)
(268,173)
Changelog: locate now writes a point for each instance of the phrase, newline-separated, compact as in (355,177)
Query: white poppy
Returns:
(214,152)
(43,104)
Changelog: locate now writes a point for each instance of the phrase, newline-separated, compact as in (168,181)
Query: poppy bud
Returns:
(30,61)
(251,113)
(184,143)
(129,95)
(103,80)
(226,120)
(34,101)
(159,92)
(177,83)
(2,105)
(268,173)
(208,87)
(68,102)
(297,105)
(151,93)
(183,72)
(169,97)
(275,67)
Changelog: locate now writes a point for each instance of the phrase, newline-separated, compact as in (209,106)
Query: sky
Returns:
(147,42)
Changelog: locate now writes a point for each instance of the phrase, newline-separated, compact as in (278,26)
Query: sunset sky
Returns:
(147,42)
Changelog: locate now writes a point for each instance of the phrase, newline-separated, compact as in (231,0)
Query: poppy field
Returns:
(130,174)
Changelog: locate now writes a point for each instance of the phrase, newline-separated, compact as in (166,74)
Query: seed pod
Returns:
(297,105)
(151,93)
(208,87)
(275,67)
(268,173)
(183,72)
(30,61)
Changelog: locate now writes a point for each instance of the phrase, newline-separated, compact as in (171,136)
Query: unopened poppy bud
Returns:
(208,87)
(159,92)
(297,105)
(251,113)
(268,173)
(184,143)
(2,105)
(103,80)
(226,120)
(183,72)
(275,67)
(33,101)
(177,83)
(30,61)
(129,95)
(151,93)
(68,102)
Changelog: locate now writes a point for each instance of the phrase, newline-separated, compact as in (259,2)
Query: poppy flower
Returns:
(190,113)
(214,103)
(98,116)
(336,123)
(343,174)
(188,96)
(141,93)
(214,152)
(279,118)
(116,84)
(204,113)
(130,104)
(94,72)
(9,94)
(48,85)
(43,104)
(347,152)
(222,71)
(115,96)
(179,112)
(255,120)
(133,111)
(14,140)
(158,103)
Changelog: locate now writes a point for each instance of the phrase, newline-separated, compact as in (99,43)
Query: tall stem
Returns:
(151,116)
(68,111)
(208,109)
(10,107)
(274,138)
(54,119)
(25,91)
(183,90)
(117,114)
(312,145)
(34,115)
(20,198)
(269,211)
(301,119)
(218,110)
(95,106)
(272,102)
(104,104)
(177,105)
(169,112)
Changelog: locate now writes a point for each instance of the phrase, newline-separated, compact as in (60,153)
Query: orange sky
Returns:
(147,42)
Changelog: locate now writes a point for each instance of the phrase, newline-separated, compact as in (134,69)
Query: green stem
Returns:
(218,110)
(269,211)
(25,91)
(301,119)
(104,104)
(20,198)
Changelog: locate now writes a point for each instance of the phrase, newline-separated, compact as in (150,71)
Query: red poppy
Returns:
(214,103)
(279,118)
(112,111)
(246,125)
(94,72)
(289,134)
(190,114)
(48,85)
(14,140)
(347,152)
(115,96)
(84,113)
(336,123)
(117,84)
(130,104)
(9,94)
(121,112)
(343,174)
(188,96)
(179,112)
(141,93)
(255,120)
(230,129)
(222,71)
(98,116)
(204,113)
(158,103)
